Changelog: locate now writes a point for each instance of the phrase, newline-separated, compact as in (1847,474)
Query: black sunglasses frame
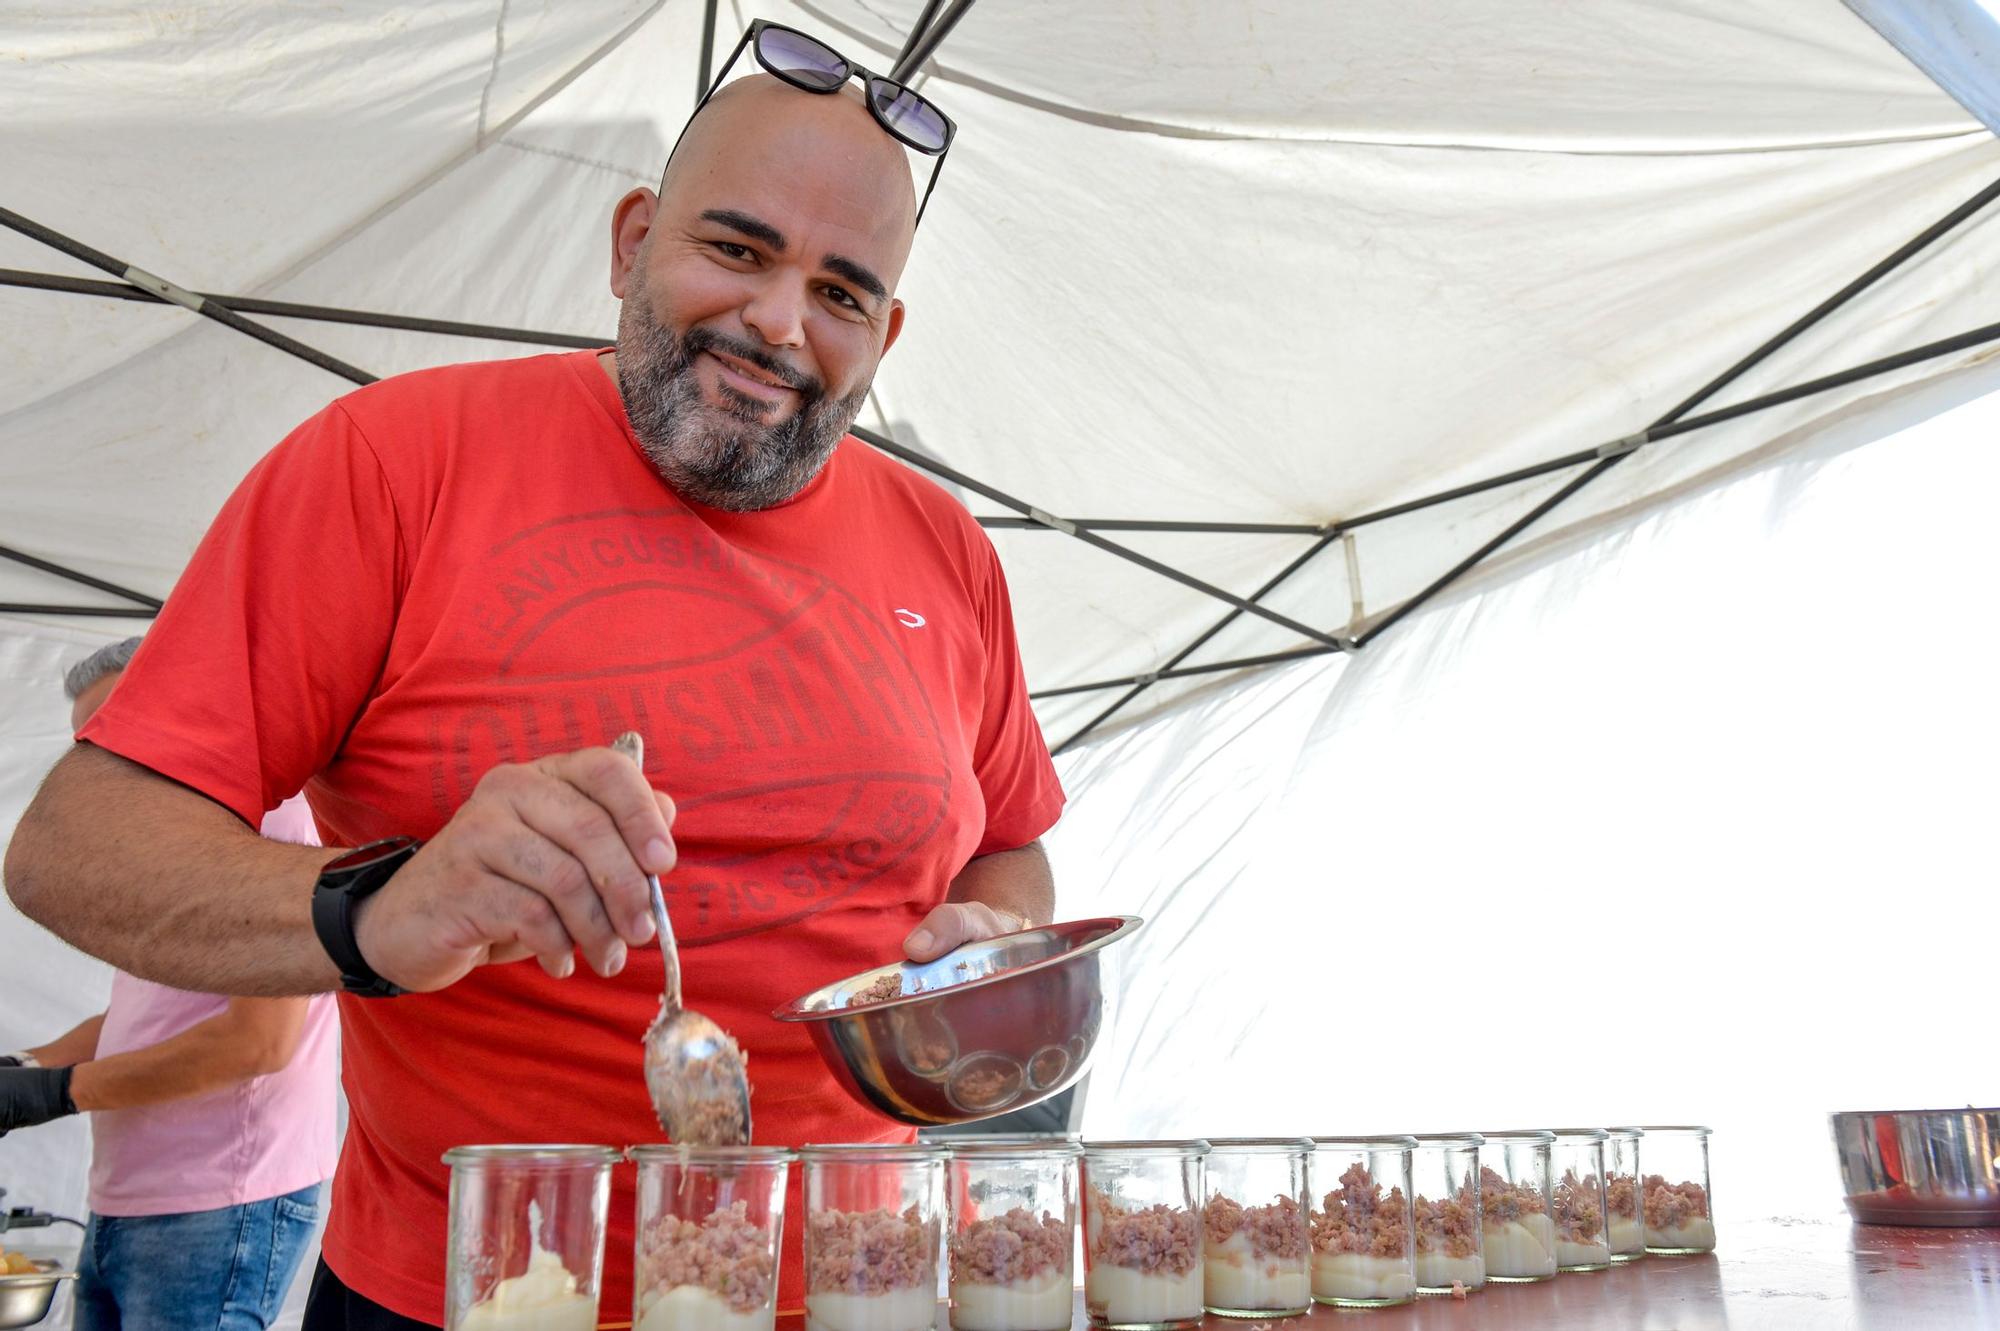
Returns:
(870,81)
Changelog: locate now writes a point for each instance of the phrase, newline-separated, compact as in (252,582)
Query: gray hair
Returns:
(106,660)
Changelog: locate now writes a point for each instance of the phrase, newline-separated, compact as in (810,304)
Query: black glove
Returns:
(33,1095)
(9,1061)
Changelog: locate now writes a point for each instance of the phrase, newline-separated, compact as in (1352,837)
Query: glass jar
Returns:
(1577,1202)
(1013,1233)
(1363,1252)
(1256,1238)
(1142,1234)
(710,1224)
(526,1244)
(1517,1237)
(1674,1196)
(872,1224)
(1621,1195)
(1444,1179)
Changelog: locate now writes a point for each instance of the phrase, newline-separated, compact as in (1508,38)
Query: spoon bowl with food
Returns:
(694,1070)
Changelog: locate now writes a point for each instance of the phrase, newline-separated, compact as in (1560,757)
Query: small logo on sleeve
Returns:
(909,619)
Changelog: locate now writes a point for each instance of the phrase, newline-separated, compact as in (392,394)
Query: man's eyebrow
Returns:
(755,228)
(855,273)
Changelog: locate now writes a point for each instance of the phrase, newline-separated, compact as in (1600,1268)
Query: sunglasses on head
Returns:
(810,65)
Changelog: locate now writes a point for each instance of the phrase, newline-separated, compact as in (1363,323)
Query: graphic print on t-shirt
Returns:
(779,710)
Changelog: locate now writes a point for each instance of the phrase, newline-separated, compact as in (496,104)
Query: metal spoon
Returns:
(694,1070)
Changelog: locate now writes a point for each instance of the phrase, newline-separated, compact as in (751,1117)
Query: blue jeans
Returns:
(221,1270)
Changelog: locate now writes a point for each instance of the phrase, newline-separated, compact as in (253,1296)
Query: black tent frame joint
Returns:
(164,289)
(1050,520)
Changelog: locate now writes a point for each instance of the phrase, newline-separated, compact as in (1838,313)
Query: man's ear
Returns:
(630,221)
(895,325)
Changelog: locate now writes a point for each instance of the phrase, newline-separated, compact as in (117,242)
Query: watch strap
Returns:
(335,897)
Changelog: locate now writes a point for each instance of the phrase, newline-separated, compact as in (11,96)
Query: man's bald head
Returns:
(759,289)
(762,121)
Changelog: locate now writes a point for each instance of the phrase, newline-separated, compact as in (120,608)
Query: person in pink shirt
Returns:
(212,1125)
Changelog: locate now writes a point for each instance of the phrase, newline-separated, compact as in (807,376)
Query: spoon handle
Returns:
(669,951)
(633,746)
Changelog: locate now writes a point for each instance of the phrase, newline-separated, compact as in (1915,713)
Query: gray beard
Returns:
(727,458)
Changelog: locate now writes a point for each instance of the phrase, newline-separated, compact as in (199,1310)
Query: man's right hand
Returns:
(546,857)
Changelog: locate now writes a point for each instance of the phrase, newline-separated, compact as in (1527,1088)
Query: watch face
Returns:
(363,856)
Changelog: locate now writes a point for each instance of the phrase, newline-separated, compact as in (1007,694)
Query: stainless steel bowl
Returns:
(1920,1166)
(25,1300)
(992,1027)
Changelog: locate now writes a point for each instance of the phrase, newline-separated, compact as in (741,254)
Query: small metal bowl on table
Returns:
(991,1027)
(25,1299)
(1932,1167)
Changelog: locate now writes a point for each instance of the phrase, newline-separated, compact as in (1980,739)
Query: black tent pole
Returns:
(1140,683)
(1609,456)
(1672,423)
(1807,320)
(1246,604)
(707,52)
(165,290)
(62,571)
(1185,672)
(1882,269)
(221,313)
(1713,386)
(284,309)
(1668,425)
(98,611)
(915,56)
(1605,458)
(992,521)
(1667,430)
(917,31)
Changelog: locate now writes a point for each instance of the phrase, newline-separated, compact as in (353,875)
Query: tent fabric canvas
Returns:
(1263,264)
(1278,263)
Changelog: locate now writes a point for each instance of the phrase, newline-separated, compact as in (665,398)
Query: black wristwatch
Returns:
(343,881)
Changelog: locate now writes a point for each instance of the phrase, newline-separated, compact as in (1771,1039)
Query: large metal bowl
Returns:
(1920,1166)
(994,1026)
(25,1299)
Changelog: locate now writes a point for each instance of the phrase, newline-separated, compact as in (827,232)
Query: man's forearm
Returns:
(71,1047)
(1013,882)
(253,1038)
(164,883)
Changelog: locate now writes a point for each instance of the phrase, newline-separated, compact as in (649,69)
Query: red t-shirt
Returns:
(476,565)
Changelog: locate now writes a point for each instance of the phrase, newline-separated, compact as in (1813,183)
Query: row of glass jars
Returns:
(1364,1222)
(1240,1227)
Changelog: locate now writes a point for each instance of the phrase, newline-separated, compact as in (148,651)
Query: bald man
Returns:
(438,600)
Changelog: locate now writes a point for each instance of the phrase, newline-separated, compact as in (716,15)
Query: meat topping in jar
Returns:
(868,1252)
(1003,1249)
(1154,1240)
(1578,1216)
(1358,1218)
(1277,1229)
(1449,1225)
(1671,1205)
(723,1252)
(1501,1200)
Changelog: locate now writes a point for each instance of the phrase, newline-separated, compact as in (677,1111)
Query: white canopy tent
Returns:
(1269,270)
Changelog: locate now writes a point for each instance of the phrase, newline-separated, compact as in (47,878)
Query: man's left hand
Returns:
(956,923)
(29,1096)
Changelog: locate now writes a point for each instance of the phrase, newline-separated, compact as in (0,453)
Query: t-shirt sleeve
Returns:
(271,641)
(1011,759)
